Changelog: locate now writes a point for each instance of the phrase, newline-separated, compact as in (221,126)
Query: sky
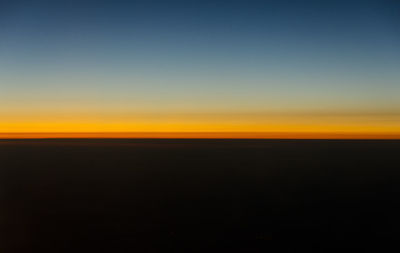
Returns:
(245,68)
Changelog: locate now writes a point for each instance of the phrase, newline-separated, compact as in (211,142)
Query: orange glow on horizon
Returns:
(203,135)
(208,125)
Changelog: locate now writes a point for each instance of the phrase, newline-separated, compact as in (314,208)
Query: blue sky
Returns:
(200,56)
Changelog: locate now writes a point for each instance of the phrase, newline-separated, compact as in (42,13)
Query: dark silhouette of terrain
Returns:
(166,195)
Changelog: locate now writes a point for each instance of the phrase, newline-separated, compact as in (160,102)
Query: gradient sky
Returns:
(200,66)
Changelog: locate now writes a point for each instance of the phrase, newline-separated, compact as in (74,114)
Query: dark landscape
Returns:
(170,195)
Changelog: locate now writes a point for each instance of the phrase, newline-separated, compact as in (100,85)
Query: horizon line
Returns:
(198,135)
